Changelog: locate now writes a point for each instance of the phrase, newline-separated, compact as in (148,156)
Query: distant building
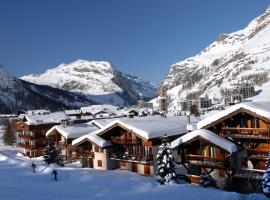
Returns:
(143,104)
(162,100)
(202,102)
(237,93)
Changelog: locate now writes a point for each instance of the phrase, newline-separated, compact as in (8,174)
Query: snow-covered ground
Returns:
(75,183)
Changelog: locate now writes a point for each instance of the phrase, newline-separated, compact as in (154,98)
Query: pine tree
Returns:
(52,155)
(266,178)
(9,137)
(165,163)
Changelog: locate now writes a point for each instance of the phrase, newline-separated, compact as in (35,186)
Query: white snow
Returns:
(150,126)
(45,119)
(93,138)
(18,182)
(73,131)
(209,136)
(261,108)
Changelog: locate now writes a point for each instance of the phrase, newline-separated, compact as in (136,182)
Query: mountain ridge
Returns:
(99,81)
(243,55)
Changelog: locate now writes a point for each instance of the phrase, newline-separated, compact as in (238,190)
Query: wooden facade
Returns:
(250,131)
(31,138)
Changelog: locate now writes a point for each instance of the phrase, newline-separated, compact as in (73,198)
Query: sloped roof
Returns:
(209,136)
(149,127)
(261,108)
(46,118)
(93,138)
(73,131)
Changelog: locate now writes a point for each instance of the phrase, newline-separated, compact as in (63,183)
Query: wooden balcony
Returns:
(257,154)
(132,158)
(250,133)
(119,140)
(207,161)
(29,146)
(25,136)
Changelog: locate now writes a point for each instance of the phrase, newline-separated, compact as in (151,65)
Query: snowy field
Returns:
(19,183)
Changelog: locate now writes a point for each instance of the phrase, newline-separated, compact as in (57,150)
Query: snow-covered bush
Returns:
(166,171)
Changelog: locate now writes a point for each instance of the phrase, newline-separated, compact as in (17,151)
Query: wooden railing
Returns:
(120,140)
(246,132)
(204,158)
(25,136)
(130,157)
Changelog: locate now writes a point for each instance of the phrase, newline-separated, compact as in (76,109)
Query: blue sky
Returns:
(142,37)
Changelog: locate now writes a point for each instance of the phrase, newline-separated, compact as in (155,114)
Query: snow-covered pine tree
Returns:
(266,178)
(52,155)
(165,162)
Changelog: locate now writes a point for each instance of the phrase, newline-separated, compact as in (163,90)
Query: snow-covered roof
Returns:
(95,109)
(209,136)
(93,138)
(37,112)
(73,131)
(261,108)
(46,118)
(149,127)
(73,112)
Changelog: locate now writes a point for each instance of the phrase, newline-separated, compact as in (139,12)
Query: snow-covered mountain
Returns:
(235,57)
(16,95)
(98,80)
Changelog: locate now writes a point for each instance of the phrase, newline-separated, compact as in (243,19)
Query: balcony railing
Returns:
(130,157)
(25,136)
(120,140)
(253,133)
(29,146)
(216,162)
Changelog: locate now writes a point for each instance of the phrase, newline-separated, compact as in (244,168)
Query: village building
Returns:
(144,104)
(31,131)
(128,143)
(63,135)
(237,93)
(233,143)
(201,103)
(162,100)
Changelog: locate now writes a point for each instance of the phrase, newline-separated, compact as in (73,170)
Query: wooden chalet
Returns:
(131,143)
(63,135)
(31,130)
(246,125)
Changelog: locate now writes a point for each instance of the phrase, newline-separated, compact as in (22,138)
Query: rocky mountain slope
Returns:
(236,57)
(98,81)
(16,95)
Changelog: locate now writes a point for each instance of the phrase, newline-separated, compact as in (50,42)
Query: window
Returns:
(96,149)
(99,163)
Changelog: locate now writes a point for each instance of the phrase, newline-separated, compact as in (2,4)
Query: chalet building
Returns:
(247,125)
(128,143)
(63,135)
(31,131)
